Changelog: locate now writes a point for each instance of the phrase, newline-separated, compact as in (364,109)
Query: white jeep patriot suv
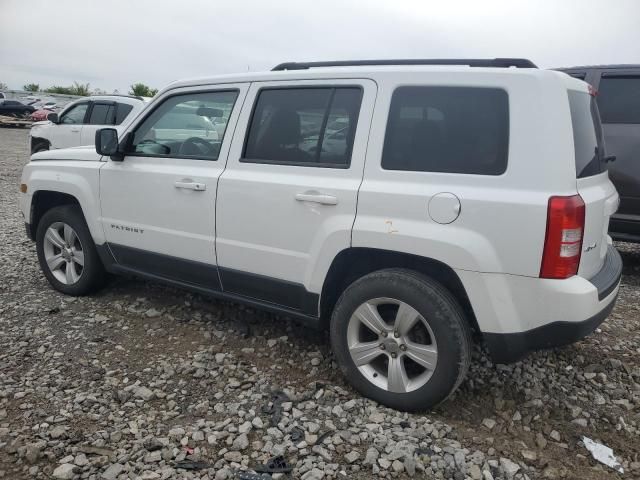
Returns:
(402,204)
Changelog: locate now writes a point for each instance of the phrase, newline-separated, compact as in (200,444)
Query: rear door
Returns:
(619,103)
(68,131)
(287,200)
(593,184)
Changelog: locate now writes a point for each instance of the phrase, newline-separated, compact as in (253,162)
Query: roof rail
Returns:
(472,62)
(116,95)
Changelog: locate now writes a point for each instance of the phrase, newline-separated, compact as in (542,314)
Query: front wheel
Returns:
(401,339)
(66,252)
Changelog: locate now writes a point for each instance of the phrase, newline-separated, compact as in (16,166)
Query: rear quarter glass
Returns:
(587,134)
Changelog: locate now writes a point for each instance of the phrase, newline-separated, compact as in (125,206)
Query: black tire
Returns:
(40,147)
(445,317)
(93,274)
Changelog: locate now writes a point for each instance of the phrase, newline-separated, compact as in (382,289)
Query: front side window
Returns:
(102,114)
(304,126)
(447,129)
(188,125)
(619,99)
(75,115)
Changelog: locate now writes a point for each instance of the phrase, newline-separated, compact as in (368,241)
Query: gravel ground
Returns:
(141,381)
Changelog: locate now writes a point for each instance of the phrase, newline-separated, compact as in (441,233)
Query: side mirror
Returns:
(53,117)
(107,143)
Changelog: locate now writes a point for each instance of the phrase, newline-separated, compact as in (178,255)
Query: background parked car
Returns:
(13,108)
(618,100)
(77,123)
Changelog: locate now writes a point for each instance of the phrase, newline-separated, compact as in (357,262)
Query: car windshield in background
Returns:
(587,134)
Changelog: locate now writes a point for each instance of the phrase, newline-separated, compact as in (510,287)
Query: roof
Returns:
(347,73)
(589,67)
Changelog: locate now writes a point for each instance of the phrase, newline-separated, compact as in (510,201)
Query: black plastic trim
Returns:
(269,289)
(166,266)
(608,277)
(37,141)
(275,295)
(472,62)
(30,233)
(511,347)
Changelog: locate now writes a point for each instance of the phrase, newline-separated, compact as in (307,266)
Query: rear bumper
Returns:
(518,315)
(511,347)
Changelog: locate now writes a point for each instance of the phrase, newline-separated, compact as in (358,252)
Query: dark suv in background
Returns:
(618,99)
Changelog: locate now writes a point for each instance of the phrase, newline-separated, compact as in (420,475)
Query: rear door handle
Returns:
(317,198)
(198,187)
(76,129)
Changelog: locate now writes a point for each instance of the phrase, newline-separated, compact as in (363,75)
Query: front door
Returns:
(158,204)
(287,200)
(68,131)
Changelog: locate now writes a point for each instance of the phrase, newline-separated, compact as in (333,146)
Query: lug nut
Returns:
(394,355)
(384,334)
(403,347)
(396,334)
(382,347)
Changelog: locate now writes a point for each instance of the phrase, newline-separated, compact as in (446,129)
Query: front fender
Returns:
(80,179)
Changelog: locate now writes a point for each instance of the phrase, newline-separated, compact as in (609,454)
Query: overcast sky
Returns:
(112,44)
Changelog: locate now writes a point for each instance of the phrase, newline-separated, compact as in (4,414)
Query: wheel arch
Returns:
(42,202)
(355,262)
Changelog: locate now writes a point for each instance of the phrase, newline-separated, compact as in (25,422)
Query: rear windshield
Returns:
(587,134)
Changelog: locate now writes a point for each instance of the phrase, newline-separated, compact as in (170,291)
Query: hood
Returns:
(85,153)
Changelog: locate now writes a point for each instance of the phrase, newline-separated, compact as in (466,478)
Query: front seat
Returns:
(282,136)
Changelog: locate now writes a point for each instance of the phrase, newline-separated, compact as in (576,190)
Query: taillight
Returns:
(563,241)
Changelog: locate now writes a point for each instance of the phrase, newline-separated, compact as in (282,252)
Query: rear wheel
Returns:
(66,251)
(401,339)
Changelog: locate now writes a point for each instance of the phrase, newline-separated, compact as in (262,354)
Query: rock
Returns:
(152,313)
(397,466)
(66,471)
(371,456)
(257,423)
(153,457)
(352,456)
(313,474)
(410,466)
(541,441)
(245,427)
(241,442)
(112,472)
(474,472)
(384,463)
(321,451)
(233,457)
(510,468)
(489,423)
(529,455)
(58,432)
(143,393)
(32,453)
(554,435)
(81,460)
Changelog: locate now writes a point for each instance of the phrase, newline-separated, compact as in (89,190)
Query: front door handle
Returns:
(317,198)
(75,129)
(198,187)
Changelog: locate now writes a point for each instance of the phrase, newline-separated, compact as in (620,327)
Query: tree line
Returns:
(84,90)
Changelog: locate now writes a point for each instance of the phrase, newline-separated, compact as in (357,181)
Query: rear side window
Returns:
(304,126)
(619,99)
(122,111)
(102,114)
(587,134)
(447,129)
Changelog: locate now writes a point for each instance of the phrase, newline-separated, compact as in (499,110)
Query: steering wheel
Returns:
(195,146)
